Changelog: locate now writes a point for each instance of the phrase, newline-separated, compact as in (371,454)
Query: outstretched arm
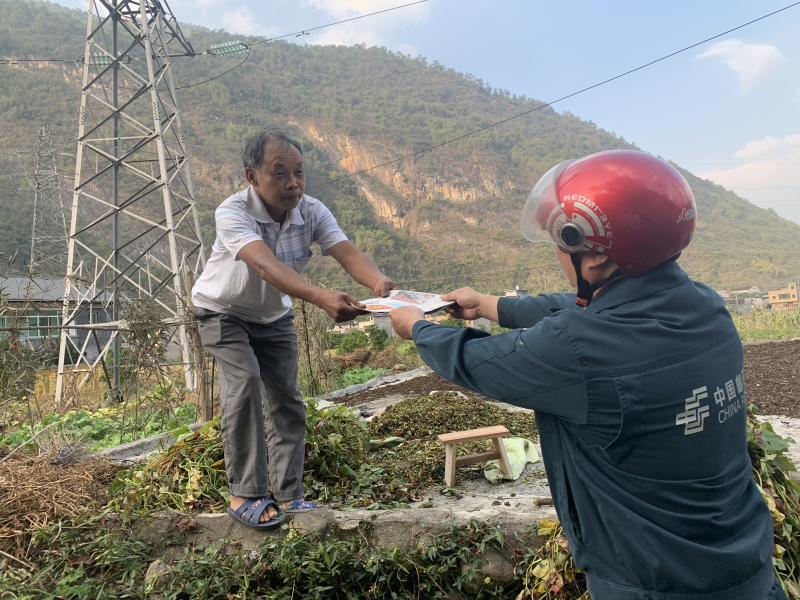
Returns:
(362,268)
(509,312)
(258,256)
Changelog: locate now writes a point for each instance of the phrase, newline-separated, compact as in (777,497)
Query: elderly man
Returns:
(244,311)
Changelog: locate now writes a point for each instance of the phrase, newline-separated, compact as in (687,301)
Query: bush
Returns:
(407,348)
(352,341)
(333,339)
(454,322)
(378,338)
(358,376)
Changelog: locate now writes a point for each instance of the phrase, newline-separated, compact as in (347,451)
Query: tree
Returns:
(352,341)
(378,338)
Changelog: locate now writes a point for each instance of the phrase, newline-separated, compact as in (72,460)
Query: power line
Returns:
(305,31)
(183,87)
(586,89)
(9,61)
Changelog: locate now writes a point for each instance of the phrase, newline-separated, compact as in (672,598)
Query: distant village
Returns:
(745,299)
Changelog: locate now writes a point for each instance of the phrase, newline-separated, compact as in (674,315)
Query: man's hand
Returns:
(383,286)
(339,305)
(403,320)
(469,304)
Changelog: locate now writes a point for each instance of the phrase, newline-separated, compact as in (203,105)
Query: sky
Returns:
(727,110)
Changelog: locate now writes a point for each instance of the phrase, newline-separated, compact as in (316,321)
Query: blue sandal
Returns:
(249,513)
(300,505)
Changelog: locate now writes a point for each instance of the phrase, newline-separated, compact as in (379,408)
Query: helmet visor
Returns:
(543,217)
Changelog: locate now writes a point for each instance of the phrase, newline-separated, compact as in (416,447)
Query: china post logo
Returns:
(694,417)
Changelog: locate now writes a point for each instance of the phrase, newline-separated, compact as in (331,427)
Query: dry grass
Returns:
(35,492)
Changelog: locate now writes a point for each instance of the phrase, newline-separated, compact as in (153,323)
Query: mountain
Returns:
(438,219)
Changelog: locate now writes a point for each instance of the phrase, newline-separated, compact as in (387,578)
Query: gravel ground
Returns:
(772,377)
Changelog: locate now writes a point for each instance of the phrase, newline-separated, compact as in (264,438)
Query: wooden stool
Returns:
(451,441)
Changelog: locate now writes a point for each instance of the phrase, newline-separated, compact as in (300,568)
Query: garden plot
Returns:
(403,406)
(371,502)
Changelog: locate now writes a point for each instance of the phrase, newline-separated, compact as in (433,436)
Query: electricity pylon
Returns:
(49,238)
(134,229)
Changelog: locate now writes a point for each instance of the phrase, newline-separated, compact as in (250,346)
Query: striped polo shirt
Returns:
(229,286)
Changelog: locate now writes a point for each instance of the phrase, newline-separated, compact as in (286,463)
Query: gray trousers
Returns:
(249,355)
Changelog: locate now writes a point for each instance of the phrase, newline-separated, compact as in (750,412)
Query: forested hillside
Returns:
(439,219)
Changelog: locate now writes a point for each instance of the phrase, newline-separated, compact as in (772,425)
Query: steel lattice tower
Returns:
(49,239)
(134,231)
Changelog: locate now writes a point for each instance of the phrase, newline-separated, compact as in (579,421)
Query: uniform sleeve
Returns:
(235,230)
(326,231)
(535,368)
(514,313)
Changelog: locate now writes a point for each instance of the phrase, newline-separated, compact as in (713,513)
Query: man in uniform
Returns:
(637,383)
(244,311)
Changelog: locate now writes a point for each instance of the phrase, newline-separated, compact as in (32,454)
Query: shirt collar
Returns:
(256,207)
(665,276)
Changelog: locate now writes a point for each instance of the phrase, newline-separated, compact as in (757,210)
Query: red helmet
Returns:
(631,206)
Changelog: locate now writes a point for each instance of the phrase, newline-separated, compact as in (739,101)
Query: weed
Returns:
(549,572)
(87,559)
(782,495)
(407,348)
(768,324)
(191,476)
(357,376)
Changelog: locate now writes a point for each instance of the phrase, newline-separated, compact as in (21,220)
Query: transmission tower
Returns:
(49,239)
(134,231)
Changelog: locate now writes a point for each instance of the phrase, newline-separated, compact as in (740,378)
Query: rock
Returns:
(376,416)
(399,367)
(494,565)
(311,521)
(460,394)
(158,568)
(185,524)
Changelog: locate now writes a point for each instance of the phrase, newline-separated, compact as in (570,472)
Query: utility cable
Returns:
(183,87)
(586,89)
(305,31)
(280,37)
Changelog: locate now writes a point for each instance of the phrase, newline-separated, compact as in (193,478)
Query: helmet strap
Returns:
(586,290)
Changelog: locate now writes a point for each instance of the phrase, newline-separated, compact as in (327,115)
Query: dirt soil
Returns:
(772,377)
(412,388)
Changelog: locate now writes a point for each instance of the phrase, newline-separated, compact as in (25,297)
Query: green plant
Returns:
(191,474)
(353,340)
(357,376)
(407,348)
(88,559)
(454,322)
(105,560)
(768,324)
(549,572)
(494,329)
(105,427)
(378,338)
(771,465)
